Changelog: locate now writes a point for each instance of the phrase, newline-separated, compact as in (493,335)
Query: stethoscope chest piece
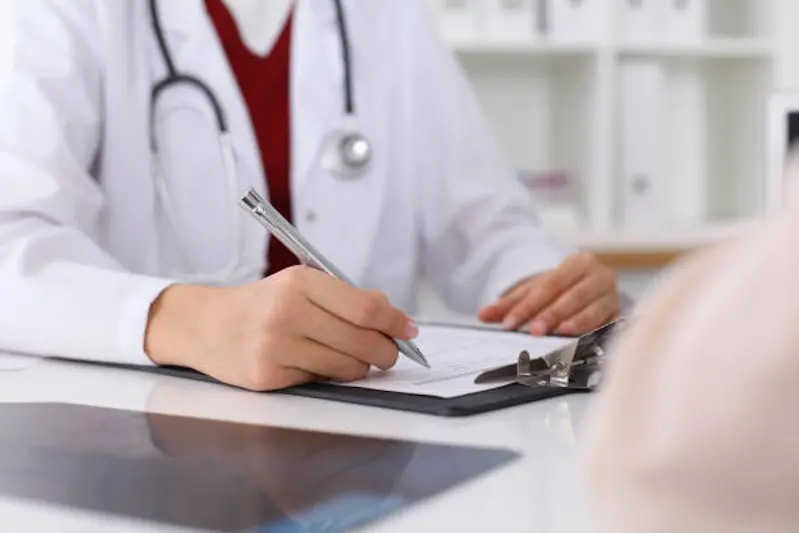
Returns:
(346,154)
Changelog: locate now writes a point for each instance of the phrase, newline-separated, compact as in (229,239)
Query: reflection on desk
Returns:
(220,476)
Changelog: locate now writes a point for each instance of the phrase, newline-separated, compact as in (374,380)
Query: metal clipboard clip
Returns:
(576,365)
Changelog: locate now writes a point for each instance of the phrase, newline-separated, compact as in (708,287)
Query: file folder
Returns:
(511,20)
(644,191)
(639,21)
(456,19)
(684,21)
(575,21)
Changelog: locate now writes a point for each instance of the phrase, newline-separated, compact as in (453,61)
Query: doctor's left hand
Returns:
(575,298)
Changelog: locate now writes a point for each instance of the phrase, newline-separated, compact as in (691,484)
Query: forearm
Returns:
(174,321)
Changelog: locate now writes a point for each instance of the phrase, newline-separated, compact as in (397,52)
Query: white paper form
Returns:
(457,356)
(9,362)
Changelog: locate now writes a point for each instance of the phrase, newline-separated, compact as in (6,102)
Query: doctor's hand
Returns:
(575,298)
(297,326)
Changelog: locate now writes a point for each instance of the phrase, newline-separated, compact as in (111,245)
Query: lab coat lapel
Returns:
(339,216)
(316,98)
(197,52)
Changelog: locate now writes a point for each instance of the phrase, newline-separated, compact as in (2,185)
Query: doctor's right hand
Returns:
(296,326)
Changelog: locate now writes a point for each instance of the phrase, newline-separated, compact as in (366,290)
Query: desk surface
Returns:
(539,493)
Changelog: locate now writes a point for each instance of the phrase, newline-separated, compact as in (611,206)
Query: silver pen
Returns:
(282,230)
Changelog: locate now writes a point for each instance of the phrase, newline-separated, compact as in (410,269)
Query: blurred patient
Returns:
(696,430)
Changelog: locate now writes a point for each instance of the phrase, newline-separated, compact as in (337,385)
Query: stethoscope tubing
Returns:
(175,78)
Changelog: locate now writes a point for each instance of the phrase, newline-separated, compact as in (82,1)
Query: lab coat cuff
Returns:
(133,318)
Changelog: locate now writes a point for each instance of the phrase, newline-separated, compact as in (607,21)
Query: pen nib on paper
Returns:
(420,358)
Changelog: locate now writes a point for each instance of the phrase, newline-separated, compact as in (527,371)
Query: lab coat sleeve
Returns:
(60,293)
(480,231)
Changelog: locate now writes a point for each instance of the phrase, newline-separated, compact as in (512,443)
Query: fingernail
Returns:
(568,328)
(411,330)
(538,327)
(511,322)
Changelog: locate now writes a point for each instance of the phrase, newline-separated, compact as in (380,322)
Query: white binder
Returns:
(684,21)
(644,194)
(457,20)
(511,20)
(686,156)
(574,21)
(640,21)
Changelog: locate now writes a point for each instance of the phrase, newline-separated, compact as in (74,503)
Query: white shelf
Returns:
(532,48)
(556,106)
(675,240)
(712,48)
(721,47)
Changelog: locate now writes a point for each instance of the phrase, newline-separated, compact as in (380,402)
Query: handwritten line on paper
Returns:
(457,355)
(445,378)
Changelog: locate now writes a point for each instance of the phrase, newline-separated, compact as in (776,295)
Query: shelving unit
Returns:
(499,49)
(554,104)
(719,47)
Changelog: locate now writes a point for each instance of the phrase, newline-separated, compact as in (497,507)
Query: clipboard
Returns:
(572,369)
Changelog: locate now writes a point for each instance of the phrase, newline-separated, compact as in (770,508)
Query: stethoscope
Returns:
(345,152)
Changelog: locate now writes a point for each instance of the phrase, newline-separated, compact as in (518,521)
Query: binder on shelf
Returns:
(639,21)
(685,161)
(510,20)
(457,19)
(684,21)
(644,194)
(573,21)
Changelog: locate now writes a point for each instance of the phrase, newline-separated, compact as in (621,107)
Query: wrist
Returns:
(174,323)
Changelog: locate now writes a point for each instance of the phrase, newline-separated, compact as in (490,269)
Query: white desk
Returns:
(539,493)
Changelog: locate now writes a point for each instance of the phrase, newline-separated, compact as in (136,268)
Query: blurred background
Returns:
(638,126)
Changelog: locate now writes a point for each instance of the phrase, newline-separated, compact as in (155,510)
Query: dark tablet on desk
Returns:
(220,476)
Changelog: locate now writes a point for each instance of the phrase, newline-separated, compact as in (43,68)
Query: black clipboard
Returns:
(467,405)
(512,394)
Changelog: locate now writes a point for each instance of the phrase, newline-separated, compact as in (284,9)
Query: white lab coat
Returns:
(84,245)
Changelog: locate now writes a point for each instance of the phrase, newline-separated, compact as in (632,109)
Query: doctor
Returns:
(129,129)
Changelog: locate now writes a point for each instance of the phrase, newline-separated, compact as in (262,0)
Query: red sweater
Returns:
(264,83)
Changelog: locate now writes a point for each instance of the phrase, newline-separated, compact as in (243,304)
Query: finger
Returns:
(592,317)
(365,345)
(365,309)
(313,358)
(496,312)
(573,301)
(543,294)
